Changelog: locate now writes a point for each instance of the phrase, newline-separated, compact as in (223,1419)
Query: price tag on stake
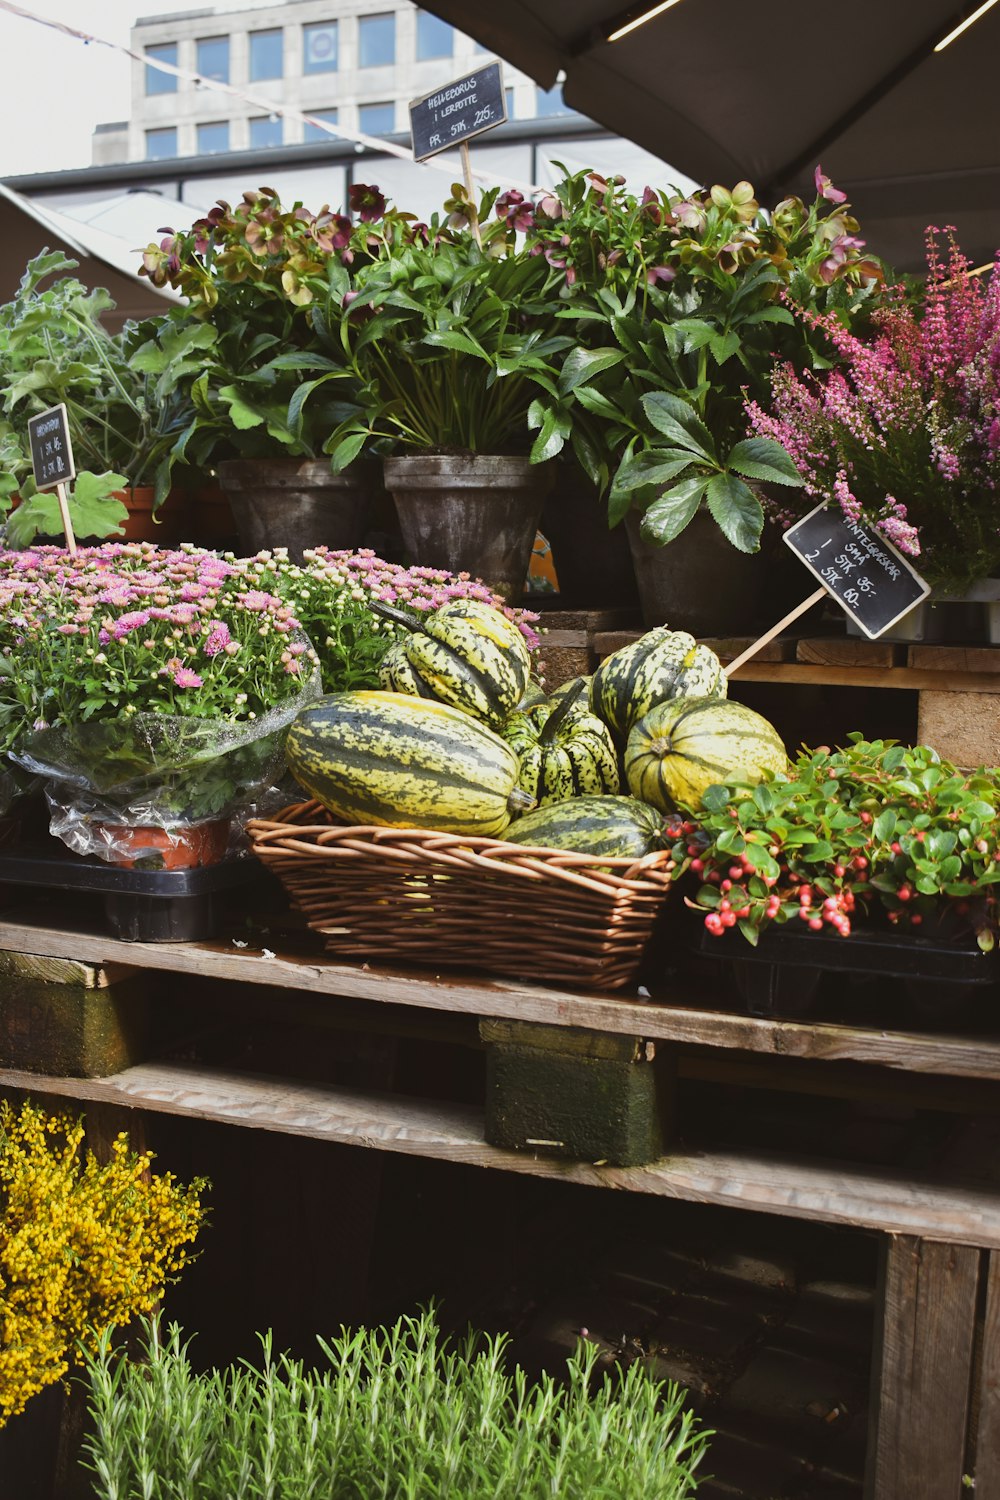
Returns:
(51,449)
(52,460)
(458,111)
(870,579)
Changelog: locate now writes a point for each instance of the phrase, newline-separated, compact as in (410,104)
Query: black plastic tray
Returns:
(781,976)
(144,906)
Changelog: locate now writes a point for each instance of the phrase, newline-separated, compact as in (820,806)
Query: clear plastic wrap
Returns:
(174,776)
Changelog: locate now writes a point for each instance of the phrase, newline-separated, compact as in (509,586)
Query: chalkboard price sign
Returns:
(460,110)
(51,450)
(869,578)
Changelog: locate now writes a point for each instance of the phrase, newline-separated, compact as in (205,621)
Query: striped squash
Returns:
(466,654)
(563,750)
(619,827)
(661,665)
(680,748)
(386,758)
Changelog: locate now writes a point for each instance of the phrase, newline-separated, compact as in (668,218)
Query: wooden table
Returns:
(939,1227)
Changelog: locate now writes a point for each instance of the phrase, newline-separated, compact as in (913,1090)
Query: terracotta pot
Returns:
(699,582)
(298,503)
(470,513)
(171,524)
(182,847)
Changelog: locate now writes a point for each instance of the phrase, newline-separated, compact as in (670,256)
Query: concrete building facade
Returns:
(352,63)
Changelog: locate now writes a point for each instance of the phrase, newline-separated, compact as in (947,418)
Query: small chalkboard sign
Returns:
(869,578)
(458,111)
(51,449)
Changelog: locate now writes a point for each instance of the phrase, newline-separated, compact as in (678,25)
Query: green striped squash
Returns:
(680,748)
(661,665)
(387,758)
(466,654)
(616,827)
(563,750)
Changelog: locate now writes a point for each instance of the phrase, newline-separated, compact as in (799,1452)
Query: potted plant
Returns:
(905,432)
(452,336)
(860,843)
(155,688)
(257,354)
(54,348)
(677,305)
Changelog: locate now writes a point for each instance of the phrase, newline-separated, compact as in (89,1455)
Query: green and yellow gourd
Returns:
(619,827)
(466,654)
(682,747)
(563,750)
(403,762)
(661,665)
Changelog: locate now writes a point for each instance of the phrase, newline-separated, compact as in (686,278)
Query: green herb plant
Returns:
(55,349)
(874,827)
(393,1412)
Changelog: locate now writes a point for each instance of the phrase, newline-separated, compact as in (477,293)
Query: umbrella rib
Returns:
(785,176)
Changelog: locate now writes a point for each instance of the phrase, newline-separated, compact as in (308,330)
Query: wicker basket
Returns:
(409,895)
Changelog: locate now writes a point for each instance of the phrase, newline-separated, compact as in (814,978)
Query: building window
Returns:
(319,48)
(377,41)
(265,130)
(213,58)
(213,137)
(161,144)
(157,82)
(435,38)
(550,102)
(377,119)
(312,133)
(267,54)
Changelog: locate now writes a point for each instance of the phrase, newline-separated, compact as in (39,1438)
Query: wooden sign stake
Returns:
(470,188)
(769,635)
(66,522)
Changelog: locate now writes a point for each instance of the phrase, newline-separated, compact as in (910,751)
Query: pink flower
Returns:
(185,678)
(825,188)
(218,639)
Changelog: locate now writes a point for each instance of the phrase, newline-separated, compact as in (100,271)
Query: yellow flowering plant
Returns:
(85,1246)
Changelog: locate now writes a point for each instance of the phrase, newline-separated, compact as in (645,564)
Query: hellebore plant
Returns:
(905,434)
(682,297)
(257,351)
(874,825)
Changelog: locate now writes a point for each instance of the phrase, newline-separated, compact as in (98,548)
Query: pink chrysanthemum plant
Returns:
(904,432)
(147,686)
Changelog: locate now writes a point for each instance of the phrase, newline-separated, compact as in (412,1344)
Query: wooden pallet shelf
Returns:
(893,1202)
(679,1019)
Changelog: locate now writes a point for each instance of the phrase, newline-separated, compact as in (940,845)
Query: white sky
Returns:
(56,89)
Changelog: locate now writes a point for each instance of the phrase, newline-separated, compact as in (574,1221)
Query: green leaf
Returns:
(594,401)
(724,346)
(444,338)
(764,459)
(581,365)
(885,825)
(715,799)
(646,470)
(736,510)
(679,422)
(551,439)
(241,413)
(347,450)
(667,517)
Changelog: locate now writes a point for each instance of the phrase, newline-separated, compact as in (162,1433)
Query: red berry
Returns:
(726,885)
(697,865)
(860,863)
(714,923)
(839,871)
(728,919)
(735,871)
(896,847)
(866,817)
(816,923)
(915,919)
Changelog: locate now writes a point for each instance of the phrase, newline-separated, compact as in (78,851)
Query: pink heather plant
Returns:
(905,433)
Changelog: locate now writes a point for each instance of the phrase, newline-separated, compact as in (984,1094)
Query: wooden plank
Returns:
(988,1440)
(62,970)
(961,727)
(905,678)
(849,651)
(895,1202)
(957,1056)
(728,648)
(926,1342)
(955,659)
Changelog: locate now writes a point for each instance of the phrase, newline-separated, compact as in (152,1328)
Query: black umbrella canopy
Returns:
(730,89)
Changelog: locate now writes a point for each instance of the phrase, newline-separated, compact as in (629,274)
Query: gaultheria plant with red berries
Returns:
(874,829)
(904,432)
